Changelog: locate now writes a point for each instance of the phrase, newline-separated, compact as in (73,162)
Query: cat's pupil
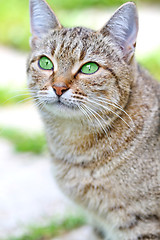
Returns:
(89,67)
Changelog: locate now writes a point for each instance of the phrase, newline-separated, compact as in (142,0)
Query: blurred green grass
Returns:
(9,96)
(152,63)
(14,27)
(23,141)
(53,229)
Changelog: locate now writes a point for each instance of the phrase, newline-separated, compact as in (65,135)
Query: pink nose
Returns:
(59,89)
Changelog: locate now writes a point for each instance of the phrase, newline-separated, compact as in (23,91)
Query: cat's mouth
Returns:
(63,104)
(66,104)
(63,109)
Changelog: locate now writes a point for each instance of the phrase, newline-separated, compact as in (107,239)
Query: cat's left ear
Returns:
(123,26)
(42,19)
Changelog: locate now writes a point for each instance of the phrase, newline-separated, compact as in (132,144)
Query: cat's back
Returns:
(148,96)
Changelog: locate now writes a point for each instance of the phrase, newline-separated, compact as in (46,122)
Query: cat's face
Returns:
(79,72)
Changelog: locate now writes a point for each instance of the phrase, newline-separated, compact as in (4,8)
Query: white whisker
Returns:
(94,113)
(84,112)
(40,104)
(14,97)
(115,105)
(26,99)
(109,102)
(107,108)
(87,114)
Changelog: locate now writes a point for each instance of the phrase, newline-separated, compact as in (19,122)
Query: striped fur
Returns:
(103,133)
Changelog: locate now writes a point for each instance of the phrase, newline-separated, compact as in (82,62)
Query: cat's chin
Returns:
(62,110)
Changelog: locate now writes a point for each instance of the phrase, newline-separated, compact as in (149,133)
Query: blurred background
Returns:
(31,205)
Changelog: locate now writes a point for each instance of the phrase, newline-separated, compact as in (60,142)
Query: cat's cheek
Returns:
(37,70)
(31,83)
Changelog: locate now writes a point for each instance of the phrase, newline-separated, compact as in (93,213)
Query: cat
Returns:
(101,114)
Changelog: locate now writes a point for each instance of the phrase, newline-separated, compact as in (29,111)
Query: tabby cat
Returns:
(101,113)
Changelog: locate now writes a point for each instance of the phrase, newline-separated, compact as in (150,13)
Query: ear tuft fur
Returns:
(123,26)
(42,18)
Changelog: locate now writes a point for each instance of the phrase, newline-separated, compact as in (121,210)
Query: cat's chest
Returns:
(90,187)
(71,144)
(100,196)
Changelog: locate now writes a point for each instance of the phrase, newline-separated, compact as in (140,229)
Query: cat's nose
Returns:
(60,88)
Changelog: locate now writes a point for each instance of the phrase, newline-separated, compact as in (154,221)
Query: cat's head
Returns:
(78,71)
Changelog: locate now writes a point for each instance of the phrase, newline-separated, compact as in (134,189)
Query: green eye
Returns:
(45,63)
(89,68)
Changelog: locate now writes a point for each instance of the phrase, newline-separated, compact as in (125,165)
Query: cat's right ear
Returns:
(123,26)
(42,20)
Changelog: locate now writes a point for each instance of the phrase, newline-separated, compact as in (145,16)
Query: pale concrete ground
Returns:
(83,233)
(28,193)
